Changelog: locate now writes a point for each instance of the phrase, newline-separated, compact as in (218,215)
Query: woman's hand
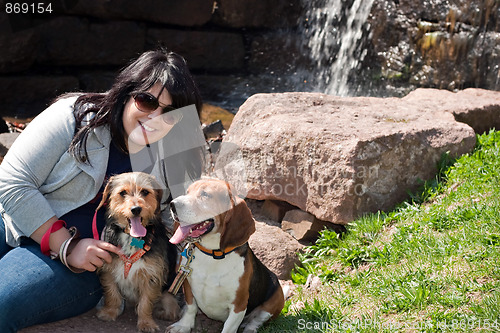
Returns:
(90,254)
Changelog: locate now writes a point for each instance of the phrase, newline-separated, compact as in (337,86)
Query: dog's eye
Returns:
(205,195)
(144,193)
(123,193)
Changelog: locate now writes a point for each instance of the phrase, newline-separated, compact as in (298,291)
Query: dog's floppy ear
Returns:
(107,191)
(158,192)
(239,225)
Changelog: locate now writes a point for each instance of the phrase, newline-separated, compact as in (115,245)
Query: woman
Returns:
(51,177)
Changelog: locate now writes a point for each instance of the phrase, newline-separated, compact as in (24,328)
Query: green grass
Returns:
(431,265)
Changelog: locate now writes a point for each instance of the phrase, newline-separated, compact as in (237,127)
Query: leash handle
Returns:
(184,271)
(179,280)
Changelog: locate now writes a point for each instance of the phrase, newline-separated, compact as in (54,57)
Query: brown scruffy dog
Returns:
(147,264)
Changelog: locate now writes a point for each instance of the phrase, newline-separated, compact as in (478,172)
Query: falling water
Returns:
(333,32)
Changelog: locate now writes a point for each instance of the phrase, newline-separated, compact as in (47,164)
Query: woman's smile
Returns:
(146,127)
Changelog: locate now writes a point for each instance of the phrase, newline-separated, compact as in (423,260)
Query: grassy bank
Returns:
(431,265)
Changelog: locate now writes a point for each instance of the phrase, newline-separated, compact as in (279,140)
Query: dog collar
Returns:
(129,261)
(187,256)
(216,254)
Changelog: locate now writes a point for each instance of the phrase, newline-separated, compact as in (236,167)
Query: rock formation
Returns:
(341,157)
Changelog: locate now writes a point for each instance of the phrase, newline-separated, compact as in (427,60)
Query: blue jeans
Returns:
(35,289)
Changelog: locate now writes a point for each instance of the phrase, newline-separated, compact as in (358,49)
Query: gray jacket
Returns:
(40,179)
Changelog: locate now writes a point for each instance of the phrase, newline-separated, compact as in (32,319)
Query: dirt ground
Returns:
(126,323)
(88,323)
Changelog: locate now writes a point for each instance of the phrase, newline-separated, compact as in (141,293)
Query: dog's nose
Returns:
(136,210)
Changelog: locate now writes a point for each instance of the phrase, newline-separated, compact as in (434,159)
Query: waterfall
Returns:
(333,31)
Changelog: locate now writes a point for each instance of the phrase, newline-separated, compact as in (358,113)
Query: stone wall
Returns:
(402,45)
(441,44)
(81,45)
(237,48)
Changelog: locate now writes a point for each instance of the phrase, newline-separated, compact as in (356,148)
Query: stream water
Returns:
(331,38)
(333,33)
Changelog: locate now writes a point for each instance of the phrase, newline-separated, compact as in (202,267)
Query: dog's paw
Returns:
(178,328)
(108,314)
(147,326)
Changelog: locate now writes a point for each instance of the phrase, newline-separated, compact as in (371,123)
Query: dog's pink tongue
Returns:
(136,227)
(180,234)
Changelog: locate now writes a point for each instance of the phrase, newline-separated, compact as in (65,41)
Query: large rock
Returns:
(276,249)
(80,42)
(213,51)
(478,108)
(97,81)
(341,157)
(277,52)
(257,14)
(182,13)
(18,50)
(303,226)
(427,43)
(27,96)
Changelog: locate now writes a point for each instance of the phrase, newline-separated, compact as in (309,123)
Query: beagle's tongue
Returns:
(192,230)
(136,227)
(180,234)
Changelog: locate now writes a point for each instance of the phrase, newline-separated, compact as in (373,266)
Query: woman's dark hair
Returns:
(106,109)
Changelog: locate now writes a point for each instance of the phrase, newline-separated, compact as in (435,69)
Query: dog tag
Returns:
(186,255)
(139,243)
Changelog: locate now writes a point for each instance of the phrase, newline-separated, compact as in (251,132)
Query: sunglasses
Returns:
(148,103)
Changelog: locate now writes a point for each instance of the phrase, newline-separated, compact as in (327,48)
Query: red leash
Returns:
(95,232)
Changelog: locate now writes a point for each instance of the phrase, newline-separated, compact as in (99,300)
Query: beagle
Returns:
(226,280)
